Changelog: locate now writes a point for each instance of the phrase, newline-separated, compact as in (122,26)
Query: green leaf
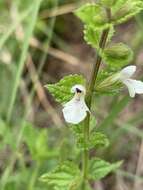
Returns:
(7,136)
(30,136)
(92,37)
(97,139)
(111,33)
(77,129)
(37,142)
(65,177)
(93,15)
(62,90)
(41,144)
(99,168)
(117,55)
(123,10)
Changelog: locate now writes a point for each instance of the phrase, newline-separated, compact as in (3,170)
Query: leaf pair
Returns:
(96,139)
(96,15)
(61,90)
(116,55)
(123,10)
(93,15)
(64,177)
(67,176)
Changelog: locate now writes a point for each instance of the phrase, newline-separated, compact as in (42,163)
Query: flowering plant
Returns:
(76,94)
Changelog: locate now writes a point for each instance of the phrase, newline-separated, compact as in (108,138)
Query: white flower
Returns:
(134,86)
(76,109)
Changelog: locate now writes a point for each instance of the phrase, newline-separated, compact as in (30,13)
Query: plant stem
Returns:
(89,100)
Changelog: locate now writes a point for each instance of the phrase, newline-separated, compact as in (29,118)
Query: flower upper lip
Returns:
(78,90)
(134,86)
(127,72)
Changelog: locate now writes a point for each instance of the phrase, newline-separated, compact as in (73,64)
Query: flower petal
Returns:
(127,72)
(138,86)
(75,111)
(130,86)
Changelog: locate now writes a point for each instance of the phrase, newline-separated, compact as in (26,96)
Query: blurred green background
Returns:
(40,42)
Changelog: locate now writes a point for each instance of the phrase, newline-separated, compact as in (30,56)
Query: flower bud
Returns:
(109,81)
(125,9)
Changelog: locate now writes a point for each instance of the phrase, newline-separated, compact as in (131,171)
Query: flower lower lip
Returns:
(77,99)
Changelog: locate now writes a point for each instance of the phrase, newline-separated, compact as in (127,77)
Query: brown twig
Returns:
(65,9)
(64,56)
(25,96)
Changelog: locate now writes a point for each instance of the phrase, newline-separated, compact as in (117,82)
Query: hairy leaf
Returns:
(123,10)
(117,55)
(77,129)
(36,140)
(92,37)
(66,176)
(7,136)
(62,90)
(93,15)
(97,139)
(99,168)
(96,16)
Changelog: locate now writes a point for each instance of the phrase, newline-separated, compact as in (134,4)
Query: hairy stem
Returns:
(90,90)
